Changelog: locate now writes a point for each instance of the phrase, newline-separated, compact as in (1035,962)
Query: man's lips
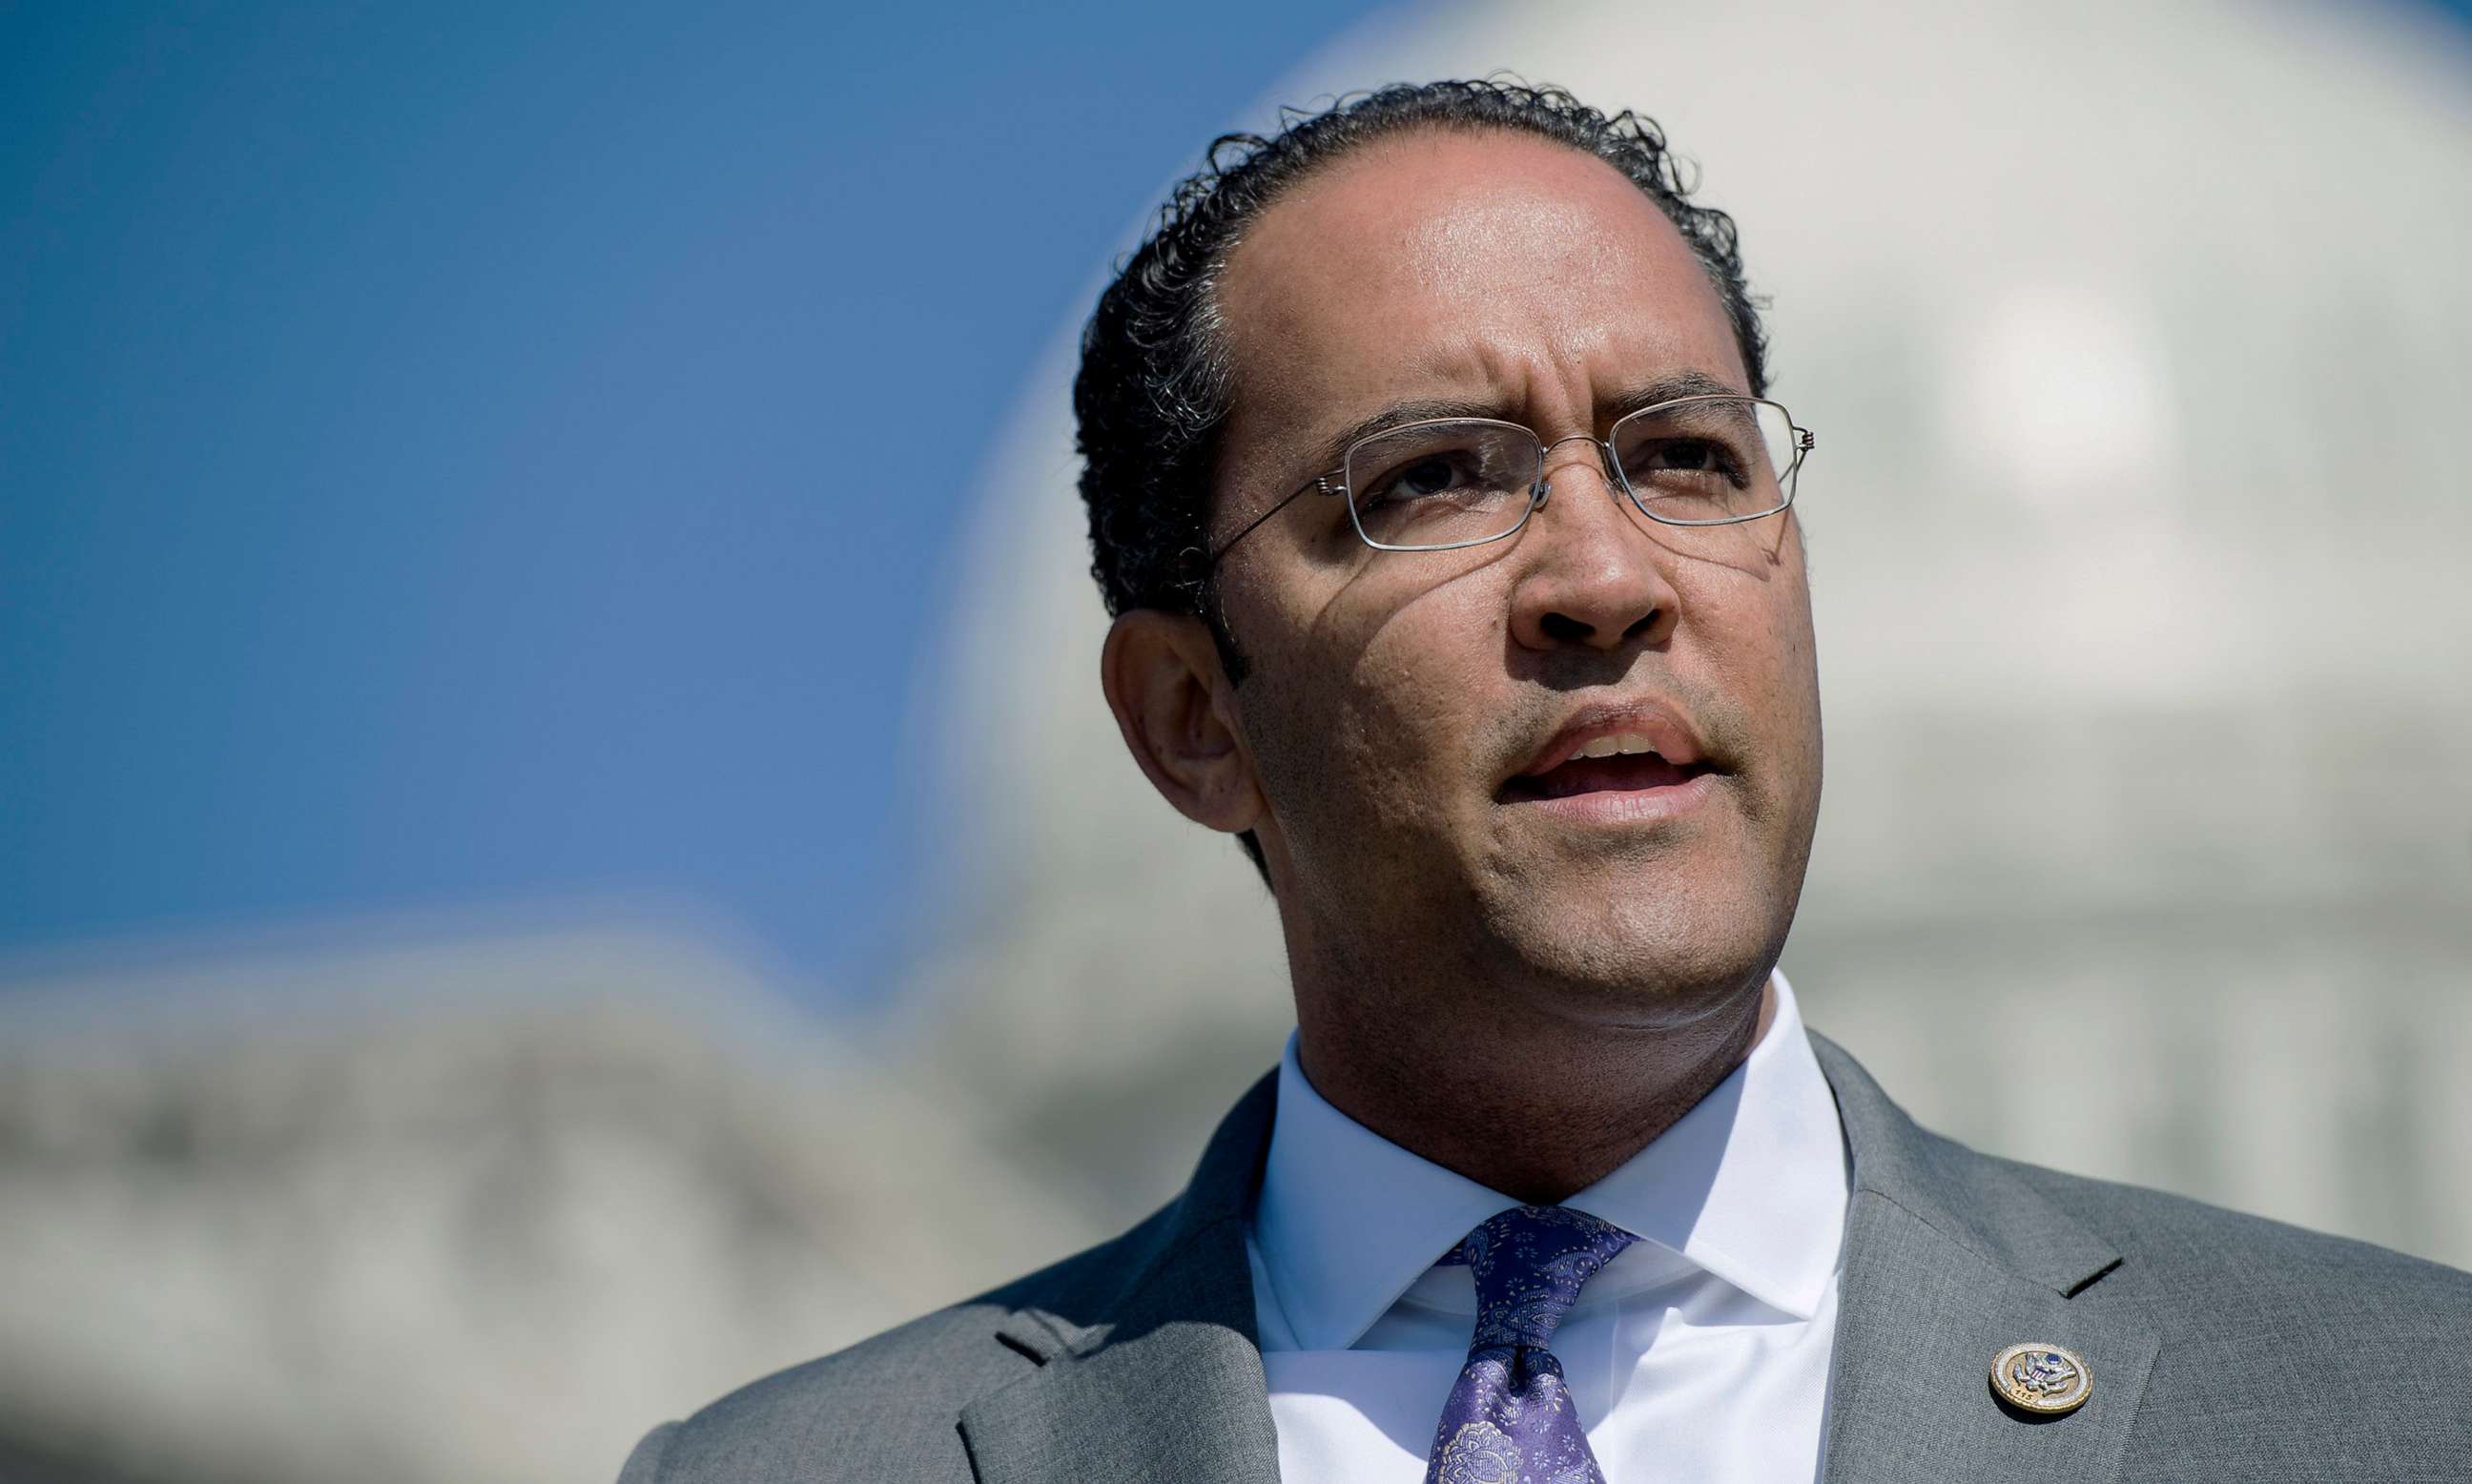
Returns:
(1598,775)
(1628,748)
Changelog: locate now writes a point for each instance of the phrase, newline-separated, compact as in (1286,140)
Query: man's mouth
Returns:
(1623,762)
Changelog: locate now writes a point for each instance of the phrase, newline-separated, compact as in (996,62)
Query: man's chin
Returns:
(1640,965)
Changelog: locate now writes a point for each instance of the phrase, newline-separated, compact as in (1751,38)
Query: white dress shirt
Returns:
(1700,1353)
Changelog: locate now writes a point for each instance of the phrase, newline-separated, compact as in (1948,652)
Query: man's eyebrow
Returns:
(1327,453)
(1671,387)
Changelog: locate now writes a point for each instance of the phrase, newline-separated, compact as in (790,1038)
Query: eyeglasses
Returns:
(1453,482)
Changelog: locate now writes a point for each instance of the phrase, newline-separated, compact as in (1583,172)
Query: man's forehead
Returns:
(1425,198)
(1481,264)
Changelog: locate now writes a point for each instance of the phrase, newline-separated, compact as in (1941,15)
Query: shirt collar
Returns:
(1749,1185)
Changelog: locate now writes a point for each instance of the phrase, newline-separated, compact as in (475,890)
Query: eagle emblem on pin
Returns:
(2042,1378)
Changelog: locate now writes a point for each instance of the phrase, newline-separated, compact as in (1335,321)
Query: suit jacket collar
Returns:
(1149,1369)
(1975,1200)
(1148,1365)
(1950,1257)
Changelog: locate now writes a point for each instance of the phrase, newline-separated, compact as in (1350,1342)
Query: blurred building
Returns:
(446,1206)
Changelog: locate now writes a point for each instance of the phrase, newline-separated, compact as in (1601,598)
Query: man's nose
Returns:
(1593,576)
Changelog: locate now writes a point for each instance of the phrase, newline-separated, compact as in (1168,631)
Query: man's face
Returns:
(1399,705)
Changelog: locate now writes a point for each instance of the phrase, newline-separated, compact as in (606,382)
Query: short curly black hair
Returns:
(1156,382)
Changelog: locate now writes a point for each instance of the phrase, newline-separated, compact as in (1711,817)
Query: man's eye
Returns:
(1423,479)
(1669,457)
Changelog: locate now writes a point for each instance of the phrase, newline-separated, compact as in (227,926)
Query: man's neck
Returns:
(1535,1108)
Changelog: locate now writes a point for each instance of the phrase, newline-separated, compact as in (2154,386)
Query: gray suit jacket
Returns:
(2223,1347)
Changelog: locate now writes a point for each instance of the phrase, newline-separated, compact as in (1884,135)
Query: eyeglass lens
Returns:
(1708,461)
(1442,484)
(1458,482)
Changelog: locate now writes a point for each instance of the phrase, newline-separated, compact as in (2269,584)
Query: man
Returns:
(1449,539)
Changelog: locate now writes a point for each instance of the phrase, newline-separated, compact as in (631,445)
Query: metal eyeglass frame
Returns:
(1335,481)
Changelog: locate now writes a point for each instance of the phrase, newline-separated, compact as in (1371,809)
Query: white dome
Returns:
(2135,338)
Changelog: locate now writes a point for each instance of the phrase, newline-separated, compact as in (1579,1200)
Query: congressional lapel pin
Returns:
(2043,1378)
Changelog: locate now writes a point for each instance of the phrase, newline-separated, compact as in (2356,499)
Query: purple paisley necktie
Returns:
(1509,1420)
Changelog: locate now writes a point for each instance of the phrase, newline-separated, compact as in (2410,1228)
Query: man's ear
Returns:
(1175,708)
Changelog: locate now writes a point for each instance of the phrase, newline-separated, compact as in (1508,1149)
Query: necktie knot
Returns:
(1529,1263)
(1509,1419)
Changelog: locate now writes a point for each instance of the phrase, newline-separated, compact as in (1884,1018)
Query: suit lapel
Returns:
(1162,1377)
(1180,1401)
(1950,1256)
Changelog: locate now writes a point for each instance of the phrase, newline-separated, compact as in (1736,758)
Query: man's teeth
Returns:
(1622,744)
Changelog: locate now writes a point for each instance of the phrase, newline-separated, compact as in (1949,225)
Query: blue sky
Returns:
(505,454)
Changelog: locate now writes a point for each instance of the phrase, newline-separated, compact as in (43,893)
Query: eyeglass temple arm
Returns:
(1319,483)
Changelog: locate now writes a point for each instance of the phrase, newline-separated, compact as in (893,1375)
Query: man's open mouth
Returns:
(1596,776)
(1623,762)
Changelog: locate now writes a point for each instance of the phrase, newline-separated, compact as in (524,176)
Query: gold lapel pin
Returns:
(2042,1378)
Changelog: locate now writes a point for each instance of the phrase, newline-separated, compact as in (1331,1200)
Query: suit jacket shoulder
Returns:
(899,1406)
(2206,1265)
(2282,1350)
(2200,1267)
(2223,1346)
